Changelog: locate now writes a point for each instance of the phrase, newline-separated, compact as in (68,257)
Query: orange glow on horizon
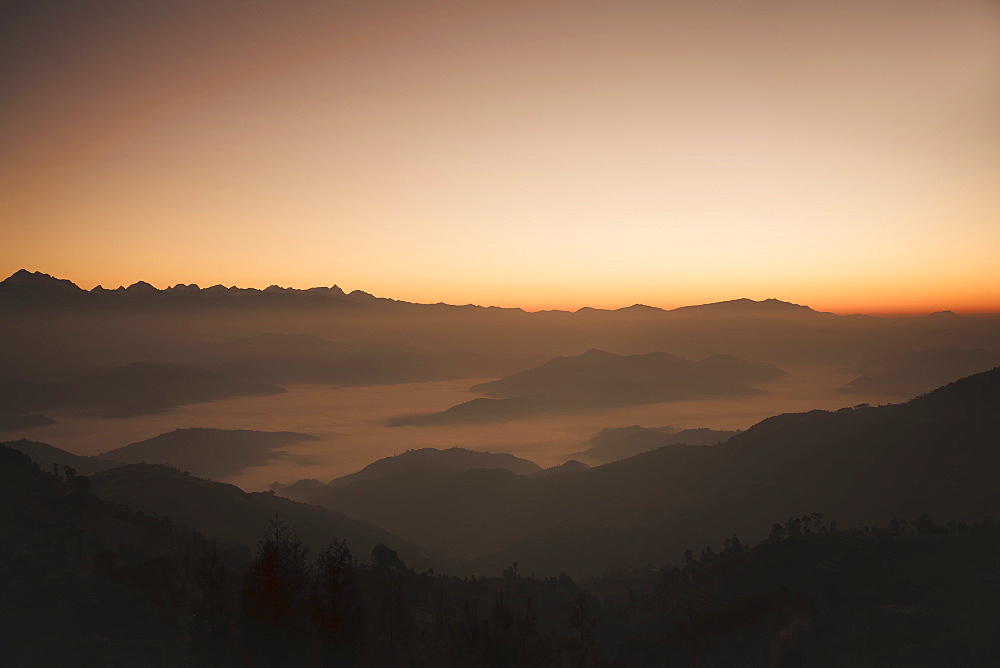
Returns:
(608,299)
(842,155)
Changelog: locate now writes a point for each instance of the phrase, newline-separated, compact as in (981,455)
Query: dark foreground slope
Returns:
(227,512)
(913,595)
(89,582)
(92,582)
(936,454)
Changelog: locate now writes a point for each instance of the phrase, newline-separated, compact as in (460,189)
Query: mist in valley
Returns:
(600,447)
(350,423)
(500,334)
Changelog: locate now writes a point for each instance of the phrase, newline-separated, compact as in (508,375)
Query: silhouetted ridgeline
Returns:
(208,453)
(227,512)
(617,443)
(26,289)
(935,454)
(169,325)
(15,422)
(50,458)
(779,545)
(913,372)
(138,388)
(597,379)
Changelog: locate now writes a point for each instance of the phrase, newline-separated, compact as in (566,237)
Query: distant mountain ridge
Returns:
(25,288)
(617,443)
(208,453)
(153,325)
(138,388)
(598,379)
(934,454)
(428,464)
(911,372)
(46,456)
(300,358)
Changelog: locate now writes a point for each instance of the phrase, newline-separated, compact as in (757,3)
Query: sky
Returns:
(843,154)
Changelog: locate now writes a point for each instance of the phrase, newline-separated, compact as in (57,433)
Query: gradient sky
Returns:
(546,154)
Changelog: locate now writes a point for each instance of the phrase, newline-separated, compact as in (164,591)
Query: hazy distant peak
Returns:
(140,288)
(597,353)
(181,287)
(745,305)
(23,278)
(422,461)
(332,290)
(947,315)
(502,308)
(206,451)
(570,466)
(361,294)
(633,309)
(641,308)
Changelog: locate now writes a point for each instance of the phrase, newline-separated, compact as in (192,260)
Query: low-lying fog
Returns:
(349,423)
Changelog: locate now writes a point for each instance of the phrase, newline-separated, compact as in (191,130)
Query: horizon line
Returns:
(844,312)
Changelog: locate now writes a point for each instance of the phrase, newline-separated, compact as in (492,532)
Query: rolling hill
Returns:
(598,379)
(208,453)
(138,388)
(935,454)
(227,512)
(913,372)
(617,443)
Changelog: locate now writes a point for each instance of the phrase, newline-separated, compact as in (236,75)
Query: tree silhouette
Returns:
(777,533)
(337,610)
(275,598)
(584,624)
(212,609)
(383,557)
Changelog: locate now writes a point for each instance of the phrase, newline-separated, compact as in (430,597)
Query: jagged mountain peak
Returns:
(37,280)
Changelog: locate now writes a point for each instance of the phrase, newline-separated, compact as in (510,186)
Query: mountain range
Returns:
(58,331)
(138,388)
(934,454)
(208,453)
(303,358)
(616,443)
(227,512)
(598,379)
(32,289)
(913,372)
